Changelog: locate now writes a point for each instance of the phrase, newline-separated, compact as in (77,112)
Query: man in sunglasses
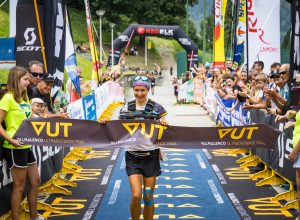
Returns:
(43,91)
(36,72)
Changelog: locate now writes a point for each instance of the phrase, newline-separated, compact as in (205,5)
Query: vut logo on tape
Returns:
(39,128)
(232,132)
(132,128)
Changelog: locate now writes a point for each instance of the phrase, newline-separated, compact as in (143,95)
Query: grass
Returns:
(3,75)
(4,20)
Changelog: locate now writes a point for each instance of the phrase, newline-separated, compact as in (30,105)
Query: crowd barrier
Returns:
(50,159)
(276,159)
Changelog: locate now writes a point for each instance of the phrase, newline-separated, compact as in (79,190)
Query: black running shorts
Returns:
(20,158)
(145,163)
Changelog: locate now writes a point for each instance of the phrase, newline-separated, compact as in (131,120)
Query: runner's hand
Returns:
(163,121)
(103,121)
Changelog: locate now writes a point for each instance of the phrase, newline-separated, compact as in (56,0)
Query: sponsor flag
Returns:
(119,133)
(219,52)
(240,33)
(294,80)
(95,60)
(28,38)
(263,32)
(70,62)
(55,21)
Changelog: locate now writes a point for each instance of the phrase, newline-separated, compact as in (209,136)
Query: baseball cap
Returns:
(274,74)
(48,78)
(37,100)
(207,65)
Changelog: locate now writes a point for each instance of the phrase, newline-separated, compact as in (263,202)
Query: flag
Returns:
(28,33)
(55,21)
(263,32)
(240,33)
(219,53)
(95,61)
(70,61)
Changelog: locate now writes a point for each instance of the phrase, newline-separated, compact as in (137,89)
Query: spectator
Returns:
(36,72)
(176,85)
(171,71)
(279,95)
(275,66)
(14,109)
(37,106)
(259,100)
(43,90)
(259,66)
(72,95)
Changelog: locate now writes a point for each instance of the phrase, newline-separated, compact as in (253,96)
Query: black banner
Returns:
(276,158)
(294,76)
(70,132)
(28,44)
(49,162)
(55,21)
(155,30)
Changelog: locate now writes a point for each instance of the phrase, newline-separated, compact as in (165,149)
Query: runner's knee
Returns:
(148,197)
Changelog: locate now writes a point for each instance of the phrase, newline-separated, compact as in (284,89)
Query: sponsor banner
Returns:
(154,30)
(75,110)
(264,31)
(89,107)
(97,101)
(277,158)
(240,33)
(238,116)
(182,91)
(295,56)
(54,35)
(28,42)
(198,90)
(210,101)
(223,115)
(219,53)
(294,76)
(190,91)
(119,133)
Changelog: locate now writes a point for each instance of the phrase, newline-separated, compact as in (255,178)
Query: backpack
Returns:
(131,106)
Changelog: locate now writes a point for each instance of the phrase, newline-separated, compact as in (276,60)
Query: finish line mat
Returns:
(92,181)
(252,202)
(187,189)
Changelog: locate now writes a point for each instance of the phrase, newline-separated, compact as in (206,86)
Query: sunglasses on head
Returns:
(40,75)
(144,78)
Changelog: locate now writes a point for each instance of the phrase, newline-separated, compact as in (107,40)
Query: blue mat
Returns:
(187,189)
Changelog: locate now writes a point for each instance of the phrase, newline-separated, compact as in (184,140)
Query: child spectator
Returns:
(259,100)
(37,106)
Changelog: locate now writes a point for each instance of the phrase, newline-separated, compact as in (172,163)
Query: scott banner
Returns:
(28,42)
(70,133)
(219,54)
(264,31)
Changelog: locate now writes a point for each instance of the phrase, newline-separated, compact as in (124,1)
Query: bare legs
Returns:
(19,178)
(136,192)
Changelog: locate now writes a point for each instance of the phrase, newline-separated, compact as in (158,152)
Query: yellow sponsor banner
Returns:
(219,52)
